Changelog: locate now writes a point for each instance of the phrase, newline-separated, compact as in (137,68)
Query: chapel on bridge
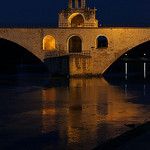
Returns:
(77,15)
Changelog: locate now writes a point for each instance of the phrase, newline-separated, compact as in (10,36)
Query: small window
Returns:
(49,43)
(101,42)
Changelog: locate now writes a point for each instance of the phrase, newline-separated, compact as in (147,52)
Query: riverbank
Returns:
(129,139)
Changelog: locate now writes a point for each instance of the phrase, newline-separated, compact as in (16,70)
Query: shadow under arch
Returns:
(13,54)
(133,53)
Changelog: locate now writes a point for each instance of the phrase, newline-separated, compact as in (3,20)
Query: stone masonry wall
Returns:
(29,38)
(120,40)
(79,65)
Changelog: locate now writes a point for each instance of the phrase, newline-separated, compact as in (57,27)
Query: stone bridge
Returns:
(120,40)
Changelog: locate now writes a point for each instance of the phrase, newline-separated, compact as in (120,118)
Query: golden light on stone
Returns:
(76,20)
(49,43)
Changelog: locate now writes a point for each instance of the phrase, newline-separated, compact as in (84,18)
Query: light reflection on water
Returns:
(76,113)
(90,111)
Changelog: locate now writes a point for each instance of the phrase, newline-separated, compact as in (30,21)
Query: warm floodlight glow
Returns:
(49,43)
(76,20)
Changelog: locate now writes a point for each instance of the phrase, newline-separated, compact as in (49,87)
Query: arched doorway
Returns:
(49,43)
(77,21)
(101,42)
(75,44)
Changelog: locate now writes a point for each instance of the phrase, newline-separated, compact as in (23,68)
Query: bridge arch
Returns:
(21,41)
(74,44)
(125,50)
(13,54)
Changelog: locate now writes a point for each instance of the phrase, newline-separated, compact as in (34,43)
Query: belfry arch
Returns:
(74,44)
(76,20)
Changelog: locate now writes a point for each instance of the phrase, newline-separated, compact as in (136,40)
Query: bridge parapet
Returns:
(65,25)
(57,53)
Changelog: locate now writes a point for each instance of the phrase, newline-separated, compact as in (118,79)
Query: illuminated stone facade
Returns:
(120,40)
(86,57)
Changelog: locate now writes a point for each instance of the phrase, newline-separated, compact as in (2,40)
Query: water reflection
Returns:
(144,70)
(126,71)
(48,111)
(89,111)
(126,89)
(144,89)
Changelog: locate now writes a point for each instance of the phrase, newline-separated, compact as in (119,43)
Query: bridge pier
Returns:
(74,65)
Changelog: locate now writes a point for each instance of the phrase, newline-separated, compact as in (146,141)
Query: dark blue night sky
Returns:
(45,12)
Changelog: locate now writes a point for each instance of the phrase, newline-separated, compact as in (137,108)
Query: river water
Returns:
(42,113)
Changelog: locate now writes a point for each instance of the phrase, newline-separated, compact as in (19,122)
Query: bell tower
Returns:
(77,15)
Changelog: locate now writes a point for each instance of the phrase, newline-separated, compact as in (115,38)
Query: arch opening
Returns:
(49,43)
(78,4)
(75,44)
(73,3)
(15,58)
(133,62)
(101,42)
(77,21)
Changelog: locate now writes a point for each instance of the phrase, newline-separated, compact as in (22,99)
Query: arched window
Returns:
(77,21)
(49,43)
(101,42)
(75,44)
